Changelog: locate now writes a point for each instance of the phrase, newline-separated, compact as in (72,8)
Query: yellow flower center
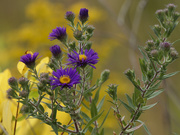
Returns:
(64,79)
(82,56)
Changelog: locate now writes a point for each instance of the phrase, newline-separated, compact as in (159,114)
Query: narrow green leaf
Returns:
(41,108)
(156,93)
(102,132)
(85,116)
(169,75)
(142,52)
(130,101)
(85,106)
(93,109)
(148,106)
(96,97)
(136,95)
(130,109)
(134,128)
(55,127)
(104,118)
(156,86)
(99,106)
(145,127)
(91,121)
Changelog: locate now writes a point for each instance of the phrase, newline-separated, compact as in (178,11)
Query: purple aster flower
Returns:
(83,15)
(81,60)
(70,16)
(29,59)
(65,78)
(56,51)
(58,33)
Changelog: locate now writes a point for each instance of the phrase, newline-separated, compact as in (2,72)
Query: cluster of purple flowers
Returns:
(69,76)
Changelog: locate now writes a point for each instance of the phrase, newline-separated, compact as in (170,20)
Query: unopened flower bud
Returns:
(70,16)
(56,51)
(166,11)
(44,78)
(104,75)
(88,45)
(112,91)
(13,82)
(154,53)
(157,29)
(160,15)
(130,74)
(165,46)
(78,34)
(83,15)
(23,81)
(171,8)
(150,43)
(24,109)
(176,16)
(41,87)
(24,93)
(174,54)
(10,93)
(72,45)
(90,29)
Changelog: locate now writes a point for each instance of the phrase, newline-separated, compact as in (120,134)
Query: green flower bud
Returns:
(41,87)
(78,34)
(112,91)
(90,29)
(130,74)
(166,11)
(174,54)
(176,16)
(171,8)
(72,45)
(13,82)
(160,15)
(24,109)
(150,43)
(157,29)
(88,45)
(154,53)
(104,75)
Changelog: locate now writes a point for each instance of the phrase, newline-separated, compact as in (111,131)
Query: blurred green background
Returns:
(121,25)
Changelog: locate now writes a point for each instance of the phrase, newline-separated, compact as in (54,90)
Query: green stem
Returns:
(129,125)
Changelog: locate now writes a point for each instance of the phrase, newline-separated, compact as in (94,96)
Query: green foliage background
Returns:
(25,25)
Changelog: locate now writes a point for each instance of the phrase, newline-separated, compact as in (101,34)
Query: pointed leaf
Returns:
(91,121)
(99,106)
(102,132)
(148,106)
(146,129)
(85,116)
(130,101)
(104,118)
(130,109)
(169,75)
(134,128)
(93,109)
(155,94)
(96,97)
